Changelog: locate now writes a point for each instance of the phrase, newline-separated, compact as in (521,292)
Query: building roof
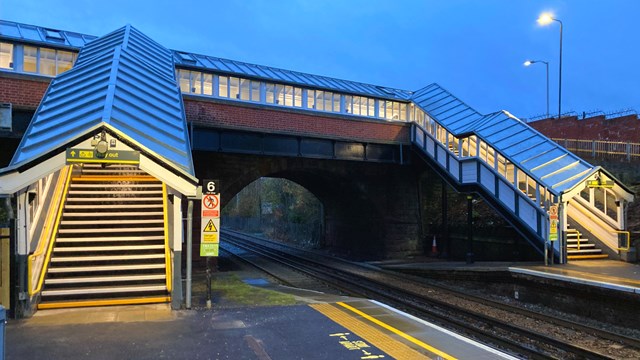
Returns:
(37,34)
(123,81)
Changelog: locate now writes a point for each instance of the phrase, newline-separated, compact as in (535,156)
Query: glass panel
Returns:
(255,91)
(65,61)
(350,105)
(585,194)
(245,89)
(196,82)
(183,75)
(381,109)
(371,106)
(280,94)
(207,84)
(271,97)
(403,111)
(319,100)
(47,61)
(311,104)
(612,208)
(30,59)
(6,56)
(336,102)
(234,87)
(598,198)
(297,95)
(288,95)
(223,86)
(327,100)
(389,110)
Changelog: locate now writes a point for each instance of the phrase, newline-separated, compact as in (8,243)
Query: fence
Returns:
(598,148)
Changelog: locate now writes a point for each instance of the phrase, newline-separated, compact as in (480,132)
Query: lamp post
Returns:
(546,19)
(546,63)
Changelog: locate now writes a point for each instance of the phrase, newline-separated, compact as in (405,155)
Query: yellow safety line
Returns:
(379,339)
(397,332)
(167,257)
(54,235)
(88,303)
(46,233)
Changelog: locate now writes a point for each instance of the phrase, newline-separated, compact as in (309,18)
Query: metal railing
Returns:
(596,148)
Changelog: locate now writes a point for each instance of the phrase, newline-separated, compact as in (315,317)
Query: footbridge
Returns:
(120,138)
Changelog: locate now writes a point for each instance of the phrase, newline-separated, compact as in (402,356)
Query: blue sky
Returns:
(475,49)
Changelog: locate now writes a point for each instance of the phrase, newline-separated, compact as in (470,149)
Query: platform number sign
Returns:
(210,225)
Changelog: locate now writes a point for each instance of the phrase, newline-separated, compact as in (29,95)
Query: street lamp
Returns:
(546,19)
(546,63)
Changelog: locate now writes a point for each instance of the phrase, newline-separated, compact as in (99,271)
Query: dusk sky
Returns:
(475,49)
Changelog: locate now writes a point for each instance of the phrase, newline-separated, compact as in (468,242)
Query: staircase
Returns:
(110,246)
(579,248)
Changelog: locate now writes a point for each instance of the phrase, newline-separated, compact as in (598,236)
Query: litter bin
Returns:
(3,322)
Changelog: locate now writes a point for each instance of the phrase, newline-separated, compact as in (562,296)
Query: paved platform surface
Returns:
(319,327)
(610,274)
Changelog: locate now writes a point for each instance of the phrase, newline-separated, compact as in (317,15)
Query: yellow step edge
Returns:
(108,302)
(585,257)
(113,178)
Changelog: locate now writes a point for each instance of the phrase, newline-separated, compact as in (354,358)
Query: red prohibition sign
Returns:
(210,201)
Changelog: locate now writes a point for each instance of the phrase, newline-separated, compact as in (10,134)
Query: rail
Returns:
(167,256)
(48,234)
(595,148)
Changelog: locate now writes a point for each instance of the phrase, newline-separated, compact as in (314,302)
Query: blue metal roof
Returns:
(124,82)
(37,34)
(541,158)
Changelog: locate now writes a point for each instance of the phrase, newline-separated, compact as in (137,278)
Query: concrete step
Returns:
(113,206)
(587,257)
(113,214)
(71,269)
(582,246)
(110,230)
(111,185)
(110,239)
(583,251)
(105,279)
(109,199)
(59,249)
(111,222)
(113,192)
(104,290)
(68,259)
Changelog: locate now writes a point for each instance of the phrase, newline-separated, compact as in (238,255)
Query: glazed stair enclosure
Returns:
(111,246)
(471,165)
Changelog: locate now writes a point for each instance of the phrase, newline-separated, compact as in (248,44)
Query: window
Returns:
(245,89)
(183,76)
(271,93)
(207,84)
(234,87)
(297,97)
(64,61)
(30,62)
(255,91)
(223,86)
(311,97)
(6,55)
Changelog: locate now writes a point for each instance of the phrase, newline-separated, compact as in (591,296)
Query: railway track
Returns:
(516,330)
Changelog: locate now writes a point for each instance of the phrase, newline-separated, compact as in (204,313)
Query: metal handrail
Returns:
(50,235)
(628,240)
(578,238)
(167,256)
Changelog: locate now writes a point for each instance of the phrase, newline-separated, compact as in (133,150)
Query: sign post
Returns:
(210,225)
(553,230)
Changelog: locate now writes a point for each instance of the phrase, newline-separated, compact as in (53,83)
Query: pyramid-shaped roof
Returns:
(124,82)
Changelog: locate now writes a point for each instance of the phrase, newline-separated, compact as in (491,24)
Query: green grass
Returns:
(229,289)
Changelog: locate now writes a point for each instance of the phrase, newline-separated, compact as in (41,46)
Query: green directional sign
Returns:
(110,157)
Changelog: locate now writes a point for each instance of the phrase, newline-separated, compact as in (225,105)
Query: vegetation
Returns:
(279,209)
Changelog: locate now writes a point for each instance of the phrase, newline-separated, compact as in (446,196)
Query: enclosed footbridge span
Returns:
(542,188)
(99,176)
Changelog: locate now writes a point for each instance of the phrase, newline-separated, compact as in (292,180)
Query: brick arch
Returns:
(370,210)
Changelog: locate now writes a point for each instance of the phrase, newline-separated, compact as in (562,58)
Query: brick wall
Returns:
(624,128)
(22,93)
(255,117)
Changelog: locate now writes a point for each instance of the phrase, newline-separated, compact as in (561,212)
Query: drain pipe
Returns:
(189,251)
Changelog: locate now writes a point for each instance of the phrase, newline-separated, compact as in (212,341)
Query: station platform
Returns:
(315,326)
(605,274)
(318,326)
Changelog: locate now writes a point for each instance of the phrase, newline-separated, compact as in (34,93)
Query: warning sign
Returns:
(210,227)
(210,235)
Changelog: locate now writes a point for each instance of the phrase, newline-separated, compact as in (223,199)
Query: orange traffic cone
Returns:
(434,247)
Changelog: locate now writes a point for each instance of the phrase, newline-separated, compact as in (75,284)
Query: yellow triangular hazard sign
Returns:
(210,227)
